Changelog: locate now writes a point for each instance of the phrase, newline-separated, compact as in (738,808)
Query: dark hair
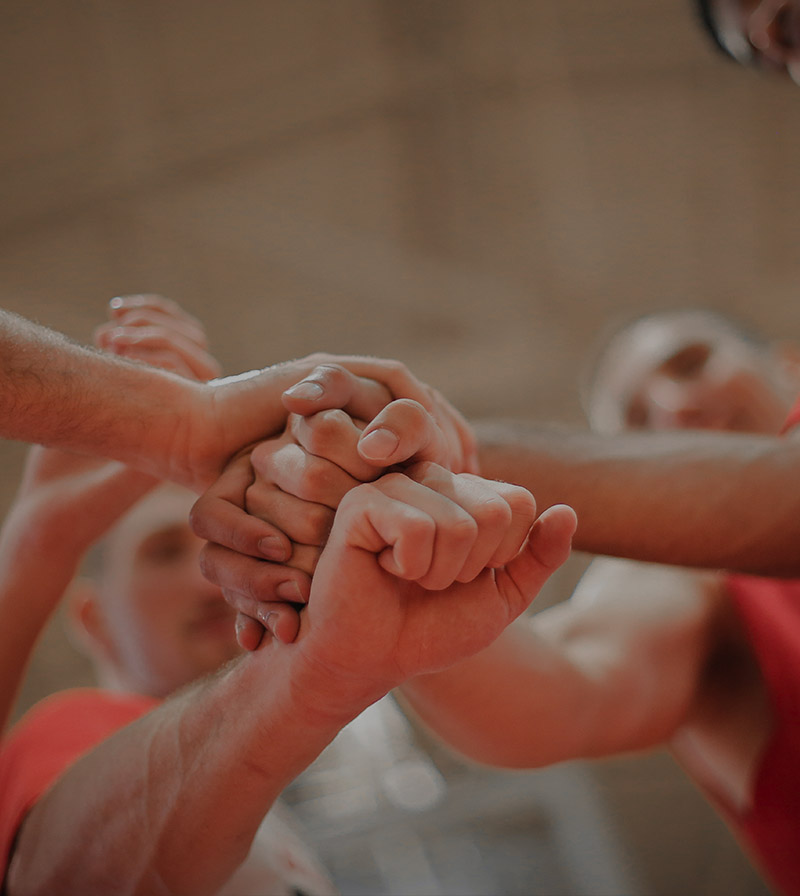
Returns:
(703,11)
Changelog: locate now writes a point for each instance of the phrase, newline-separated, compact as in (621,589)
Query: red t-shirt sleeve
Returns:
(47,740)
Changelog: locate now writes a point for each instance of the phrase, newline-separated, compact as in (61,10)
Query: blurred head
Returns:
(764,33)
(148,618)
(690,370)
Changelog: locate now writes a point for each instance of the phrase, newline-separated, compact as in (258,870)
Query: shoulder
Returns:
(48,738)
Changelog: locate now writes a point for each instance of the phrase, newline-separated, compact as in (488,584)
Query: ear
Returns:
(87,625)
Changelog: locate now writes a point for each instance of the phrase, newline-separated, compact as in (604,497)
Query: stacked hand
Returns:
(456,535)
(422,569)
(252,514)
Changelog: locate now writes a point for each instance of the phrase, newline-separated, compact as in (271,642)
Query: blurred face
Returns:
(164,623)
(765,33)
(687,371)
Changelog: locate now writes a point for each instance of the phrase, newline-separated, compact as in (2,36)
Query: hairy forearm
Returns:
(55,392)
(170,804)
(695,499)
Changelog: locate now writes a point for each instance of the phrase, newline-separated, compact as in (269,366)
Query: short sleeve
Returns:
(50,737)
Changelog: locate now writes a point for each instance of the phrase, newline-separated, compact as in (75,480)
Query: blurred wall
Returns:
(474,186)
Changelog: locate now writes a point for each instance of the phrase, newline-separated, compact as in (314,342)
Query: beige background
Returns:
(474,186)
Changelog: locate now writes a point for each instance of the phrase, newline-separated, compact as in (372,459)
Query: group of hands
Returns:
(361,534)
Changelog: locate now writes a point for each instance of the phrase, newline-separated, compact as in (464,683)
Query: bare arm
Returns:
(713,500)
(57,393)
(66,501)
(616,668)
(170,804)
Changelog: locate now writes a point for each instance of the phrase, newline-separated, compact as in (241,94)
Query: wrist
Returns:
(302,693)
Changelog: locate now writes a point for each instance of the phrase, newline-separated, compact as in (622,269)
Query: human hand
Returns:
(420,571)
(298,480)
(233,412)
(157,331)
(333,398)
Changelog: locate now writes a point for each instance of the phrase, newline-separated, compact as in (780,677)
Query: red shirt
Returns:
(770,610)
(47,739)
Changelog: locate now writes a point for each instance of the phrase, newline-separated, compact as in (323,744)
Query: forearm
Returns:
(521,703)
(25,610)
(695,499)
(170,804)
(616,668)
(48,530)
(54,392)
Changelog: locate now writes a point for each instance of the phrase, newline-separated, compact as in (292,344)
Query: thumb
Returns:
(548,546)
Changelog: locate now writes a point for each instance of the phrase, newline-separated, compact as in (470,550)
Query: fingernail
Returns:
(378,444)
(308,390)
(116,302)
(264,617)
(290,591)
(272,548)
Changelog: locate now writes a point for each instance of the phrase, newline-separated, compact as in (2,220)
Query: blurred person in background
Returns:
(115,788)
(640,656)
(145,615)
(690,369)
(761,33)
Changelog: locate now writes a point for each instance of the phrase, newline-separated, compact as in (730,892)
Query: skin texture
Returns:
(712,500)
(66,501)
(228,514)
(57,393)
(640,655)
(226,748)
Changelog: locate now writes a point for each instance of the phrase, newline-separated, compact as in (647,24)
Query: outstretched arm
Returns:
(616,668)
(66,501)
(171,802)
(57,393)
(712,500)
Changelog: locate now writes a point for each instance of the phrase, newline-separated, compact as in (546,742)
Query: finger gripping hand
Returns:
(401,535)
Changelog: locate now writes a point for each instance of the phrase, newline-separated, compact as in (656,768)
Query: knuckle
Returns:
(425,471)
(317,522)
(494,511)
(390,479)
(317,477)
(464,528)
(262,455)
(326,430)
(520,500)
